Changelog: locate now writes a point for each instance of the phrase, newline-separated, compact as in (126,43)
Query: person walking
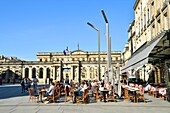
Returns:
(35,81)
(67,81)
(28,83)
(23,85)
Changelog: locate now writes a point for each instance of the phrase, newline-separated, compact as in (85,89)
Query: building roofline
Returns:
(136,3)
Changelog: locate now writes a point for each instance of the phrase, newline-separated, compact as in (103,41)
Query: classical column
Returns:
(23,71)
(7,74)
(54,72)
(44,74)
(37,72)
(156,75)
(167,72)
(13,74)
(78,74)
(72,72)
(30,73)
(88,73)
(60,71)
(159,75)
(57,73)
(79,71)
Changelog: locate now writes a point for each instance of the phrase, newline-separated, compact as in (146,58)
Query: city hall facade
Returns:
(77,65)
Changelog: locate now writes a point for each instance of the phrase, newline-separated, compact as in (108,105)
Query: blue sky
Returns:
(31,26)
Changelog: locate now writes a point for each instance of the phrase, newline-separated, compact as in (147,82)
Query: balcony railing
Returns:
(148,22)
(144,27)
(158,12)
(152,18)
(165,4)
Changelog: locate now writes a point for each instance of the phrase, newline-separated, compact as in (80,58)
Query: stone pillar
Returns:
(78,74)
(44,74)
(30,73)
(23,71)
(60,71)
(13,74)
(88,73)
(54,72)
(167,72)
(7,74)
(159,75)
(37,72)
(156,75)
(57,73)
(72,72)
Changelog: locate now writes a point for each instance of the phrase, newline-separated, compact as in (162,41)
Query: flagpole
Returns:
(78,46)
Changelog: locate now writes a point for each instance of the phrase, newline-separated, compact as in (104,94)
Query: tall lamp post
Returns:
(108,46)
(98,47)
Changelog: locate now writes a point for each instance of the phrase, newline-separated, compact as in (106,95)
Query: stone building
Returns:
(78,65)
(149,42)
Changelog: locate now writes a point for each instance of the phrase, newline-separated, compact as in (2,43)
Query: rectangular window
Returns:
(152,8)
(148,14)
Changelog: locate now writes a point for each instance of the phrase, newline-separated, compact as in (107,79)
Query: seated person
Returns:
(107,85)
(110,88)
(83,86)
(147,87)
(94,83)
(50,90)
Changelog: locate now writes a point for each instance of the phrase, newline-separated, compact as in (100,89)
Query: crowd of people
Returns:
(27,82)
(66,84)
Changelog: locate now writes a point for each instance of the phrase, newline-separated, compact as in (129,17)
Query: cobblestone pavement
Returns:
(20,104)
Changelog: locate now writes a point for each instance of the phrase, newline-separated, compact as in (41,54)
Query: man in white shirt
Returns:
(50,92)
(51,89)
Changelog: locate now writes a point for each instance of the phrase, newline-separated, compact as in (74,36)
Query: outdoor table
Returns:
(134,90)
(105,91)
(41,94)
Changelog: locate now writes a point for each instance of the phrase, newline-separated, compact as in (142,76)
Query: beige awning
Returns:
(142,56)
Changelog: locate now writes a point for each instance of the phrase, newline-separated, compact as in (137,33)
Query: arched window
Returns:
(41,73)
(33,73)
(90,75)
(26,72)
(48,73)
(91,69)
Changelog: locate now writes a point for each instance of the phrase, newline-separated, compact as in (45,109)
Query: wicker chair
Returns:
(140,95)
(68,94)
(84,97)
(32,95)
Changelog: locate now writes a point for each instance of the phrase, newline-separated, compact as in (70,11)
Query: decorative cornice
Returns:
(136,3)
(131,25)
